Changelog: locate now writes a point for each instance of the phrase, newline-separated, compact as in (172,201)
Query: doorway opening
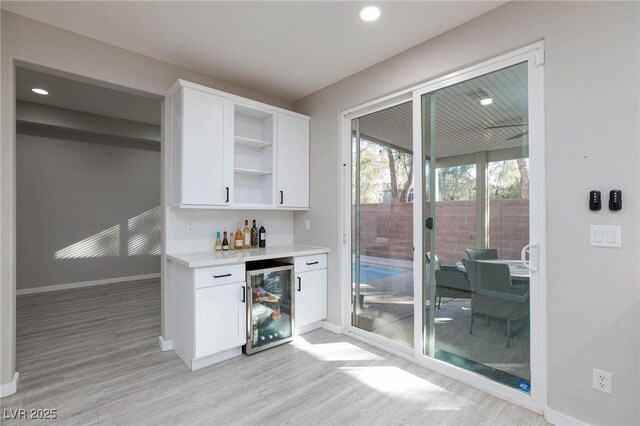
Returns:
(88,221)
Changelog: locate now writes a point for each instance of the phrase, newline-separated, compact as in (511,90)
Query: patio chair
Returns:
(482,254)
(450,281)
(493,295)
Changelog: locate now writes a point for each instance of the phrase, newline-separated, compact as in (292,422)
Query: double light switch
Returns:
(606,236)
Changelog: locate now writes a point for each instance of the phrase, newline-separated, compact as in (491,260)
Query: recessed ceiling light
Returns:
(369,13)
(39,91)
(486,101)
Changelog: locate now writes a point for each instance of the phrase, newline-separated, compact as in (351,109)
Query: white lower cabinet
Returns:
(209,313)
(311,297)
(220,318)
(310,291)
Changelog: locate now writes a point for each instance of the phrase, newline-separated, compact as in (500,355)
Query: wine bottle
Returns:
(262,235)
(218,242)
(239,238)
(225,242)
(232,242)
(246,232)
(254,235)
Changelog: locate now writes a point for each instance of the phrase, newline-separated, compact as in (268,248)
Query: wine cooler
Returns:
(270,305)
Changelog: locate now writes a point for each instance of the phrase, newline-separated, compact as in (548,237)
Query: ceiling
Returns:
(284,49)
(75,95)
(460,119)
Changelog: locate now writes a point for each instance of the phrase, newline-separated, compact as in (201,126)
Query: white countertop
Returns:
(213,258)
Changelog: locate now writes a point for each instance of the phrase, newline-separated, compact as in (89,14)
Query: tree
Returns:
(403,172)
(457,183)
(382,170)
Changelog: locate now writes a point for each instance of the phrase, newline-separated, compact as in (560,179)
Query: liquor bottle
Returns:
(239,238)
(262,235)
(246,232)
(254,235)
(225,242)
(231,240)
(218,242)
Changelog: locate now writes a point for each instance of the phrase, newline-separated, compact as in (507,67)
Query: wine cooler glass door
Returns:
(271,308)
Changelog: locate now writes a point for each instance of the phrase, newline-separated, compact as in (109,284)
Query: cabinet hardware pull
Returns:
(244,292)
(281,197)
(221,276)
(299,284)
(312,263)
(227,188)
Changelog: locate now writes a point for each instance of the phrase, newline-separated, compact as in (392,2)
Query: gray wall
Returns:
(592,135)
(85,211)
(37,43)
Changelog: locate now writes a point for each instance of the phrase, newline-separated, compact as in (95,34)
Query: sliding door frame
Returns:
(346,248)
(534,56)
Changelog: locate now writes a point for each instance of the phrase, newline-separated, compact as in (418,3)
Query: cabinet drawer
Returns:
(206,277)
(310,263)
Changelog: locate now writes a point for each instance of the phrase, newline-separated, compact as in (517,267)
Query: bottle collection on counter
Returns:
(243,238)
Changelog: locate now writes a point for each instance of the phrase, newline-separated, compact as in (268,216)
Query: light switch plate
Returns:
(606,236)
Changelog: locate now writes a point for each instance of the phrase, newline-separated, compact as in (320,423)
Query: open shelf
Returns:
(253,155)
(251,142)
(252,172)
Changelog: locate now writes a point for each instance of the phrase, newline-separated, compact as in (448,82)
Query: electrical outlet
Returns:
(307,225)
(602,381)
(189,226)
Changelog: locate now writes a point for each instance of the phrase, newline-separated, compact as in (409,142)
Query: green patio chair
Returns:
(493,295)
(482,254)
(450,281)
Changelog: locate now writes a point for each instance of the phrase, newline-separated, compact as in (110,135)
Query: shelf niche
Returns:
(253,159)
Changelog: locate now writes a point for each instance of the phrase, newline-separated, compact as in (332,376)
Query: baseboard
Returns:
(67,286)
(309,327)
(331,327)
(559,419)
(165,345)
(197,364)
(10,388)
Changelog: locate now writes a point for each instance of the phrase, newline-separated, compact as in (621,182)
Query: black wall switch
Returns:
(595,201)
(615,200)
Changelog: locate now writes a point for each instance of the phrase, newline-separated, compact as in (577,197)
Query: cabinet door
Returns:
(292,162)
(311,297)
(220,318)
(207,148)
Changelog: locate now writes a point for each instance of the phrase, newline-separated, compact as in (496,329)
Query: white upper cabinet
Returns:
(233,152)
(203,149)
(292,162)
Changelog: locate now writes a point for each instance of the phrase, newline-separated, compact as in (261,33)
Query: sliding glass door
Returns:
(476,293)
(382,301)
(445,222)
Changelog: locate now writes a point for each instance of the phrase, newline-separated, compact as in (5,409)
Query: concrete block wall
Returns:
(386,230)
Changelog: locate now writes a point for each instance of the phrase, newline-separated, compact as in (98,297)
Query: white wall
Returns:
(85,211)
(204,223)
(37,43)
(592,137)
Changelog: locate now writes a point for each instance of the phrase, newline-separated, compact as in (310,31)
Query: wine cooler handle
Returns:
(281,197)
(244,292)
(312,263)
(299,284)
(227,188)
(221,276)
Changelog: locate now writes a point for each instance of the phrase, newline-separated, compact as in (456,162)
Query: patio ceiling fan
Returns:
(519,135)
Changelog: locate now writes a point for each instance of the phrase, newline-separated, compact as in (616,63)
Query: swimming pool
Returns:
(370,272)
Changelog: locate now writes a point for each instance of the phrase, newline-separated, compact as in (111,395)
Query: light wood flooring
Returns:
(93,355)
